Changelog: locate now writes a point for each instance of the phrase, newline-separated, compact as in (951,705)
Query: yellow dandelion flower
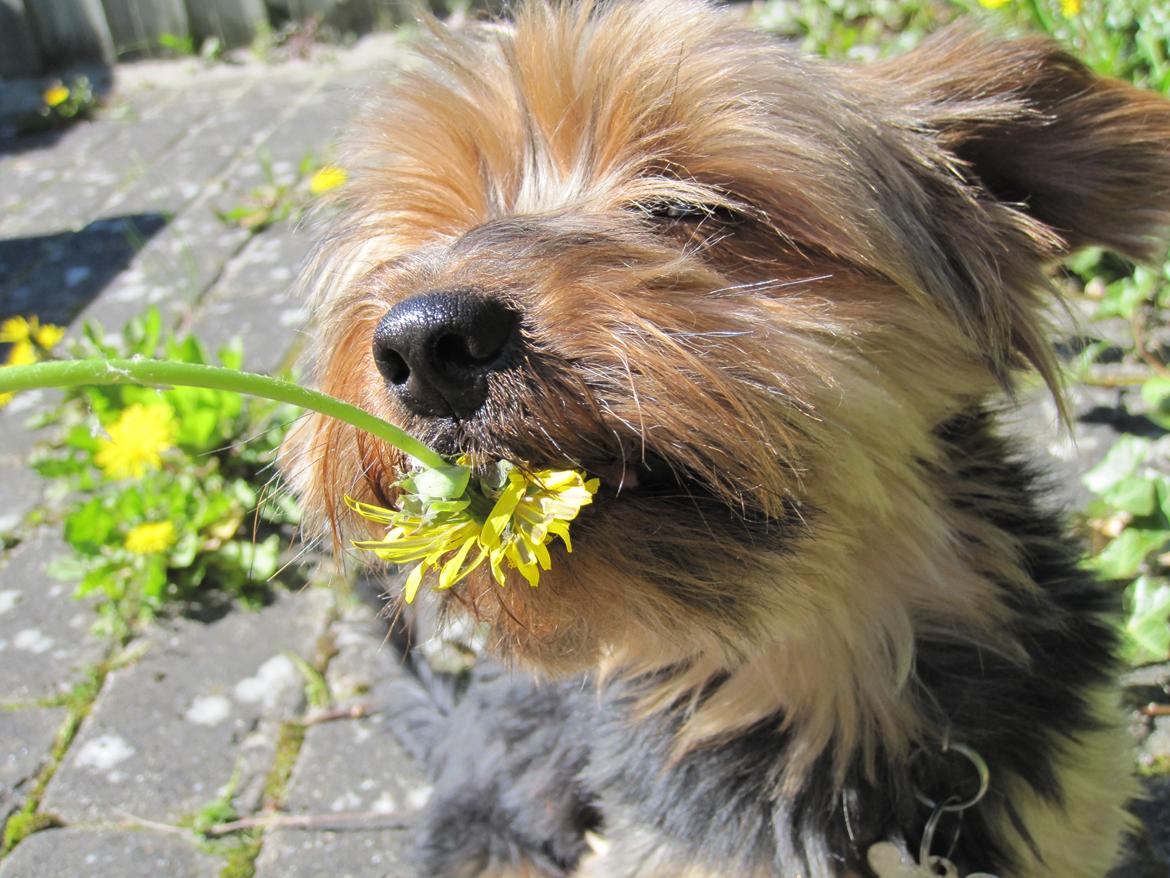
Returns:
(48,335)
(55,95)
(328,177)
(136,441)
(15,330)
(153,538)
(509,523)
(1070,8)
(21,354)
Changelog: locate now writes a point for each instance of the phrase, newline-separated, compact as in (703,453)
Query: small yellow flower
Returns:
(55,95)
(328,177)
(524,515)
(48,335)
(1070,8)
(6,397)
(15,330)
(21,354)
(137,440)
(993,4)
(150,539)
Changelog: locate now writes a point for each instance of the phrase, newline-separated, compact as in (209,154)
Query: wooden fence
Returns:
(41,35)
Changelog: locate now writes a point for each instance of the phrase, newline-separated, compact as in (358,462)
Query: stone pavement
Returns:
(118,750)
(114,753)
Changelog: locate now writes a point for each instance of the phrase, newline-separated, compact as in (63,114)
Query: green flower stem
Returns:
(67,373)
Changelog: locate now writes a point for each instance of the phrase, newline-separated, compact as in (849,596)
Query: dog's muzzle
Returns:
(437,349)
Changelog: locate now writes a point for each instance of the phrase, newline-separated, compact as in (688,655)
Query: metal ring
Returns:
(982,772)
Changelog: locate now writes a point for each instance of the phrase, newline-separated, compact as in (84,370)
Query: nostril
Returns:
(454,350)
(392,366)
(471,351)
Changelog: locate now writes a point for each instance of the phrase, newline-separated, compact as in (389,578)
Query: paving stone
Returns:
(254,300)
(180,175)
(22,493)
(171,271)
(1154,811)
(362,660)
(346,766)
(108,853)
(294,853)
(16,437)
(79,193)
(351,765)
(26,740)
(177,267)
(28,172)
(165,735)
(46,642)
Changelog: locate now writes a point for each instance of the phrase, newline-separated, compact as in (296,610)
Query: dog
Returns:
(819,620)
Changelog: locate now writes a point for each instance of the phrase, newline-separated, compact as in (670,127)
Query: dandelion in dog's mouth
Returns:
(458,519)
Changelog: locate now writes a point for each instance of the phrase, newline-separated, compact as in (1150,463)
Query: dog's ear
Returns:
(1030,125)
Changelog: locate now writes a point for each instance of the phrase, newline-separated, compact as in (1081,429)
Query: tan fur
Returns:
(1079,837)
(795,365)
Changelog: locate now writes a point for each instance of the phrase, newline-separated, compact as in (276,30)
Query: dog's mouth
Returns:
(641,482)
(651,475)
(667,492)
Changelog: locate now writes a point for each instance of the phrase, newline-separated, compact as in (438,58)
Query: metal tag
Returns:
(888,861)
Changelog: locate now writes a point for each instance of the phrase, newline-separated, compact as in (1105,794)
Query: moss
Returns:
(77,702)
(1154,766)
(316,687)
(23,824)
(327,647)
(240,859)
(288,748)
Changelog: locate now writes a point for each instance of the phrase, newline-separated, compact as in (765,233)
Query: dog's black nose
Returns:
(436,350)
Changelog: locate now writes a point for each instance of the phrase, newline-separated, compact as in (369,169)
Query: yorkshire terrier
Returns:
(818,621)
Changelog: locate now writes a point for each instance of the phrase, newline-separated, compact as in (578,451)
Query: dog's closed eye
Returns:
(688,212)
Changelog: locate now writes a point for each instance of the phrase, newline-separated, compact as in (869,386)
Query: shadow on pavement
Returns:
(55,276)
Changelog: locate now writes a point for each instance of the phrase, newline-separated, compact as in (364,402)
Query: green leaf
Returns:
(184,550)
(1123,297)
(1136,495)
(252,562)
(1148,626)
(1121,462)
(66,568)
(153,579)
(1156,394)
(1123,557)
(1086,262)
(1162,486)
(103,579)
(90,527)
(1156,391)
(231,355)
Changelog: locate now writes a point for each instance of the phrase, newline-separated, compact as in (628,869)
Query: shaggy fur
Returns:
(768,299)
